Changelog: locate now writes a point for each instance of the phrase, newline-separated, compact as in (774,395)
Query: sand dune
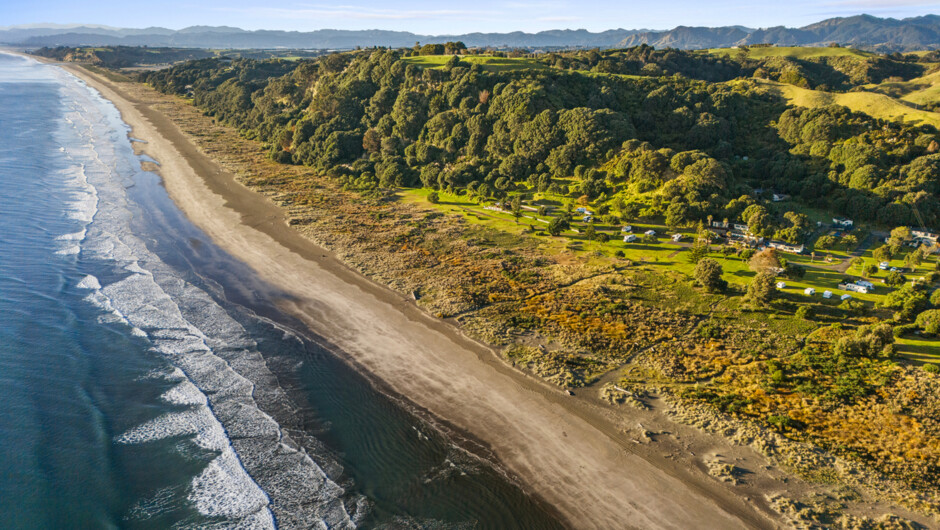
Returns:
(566,453)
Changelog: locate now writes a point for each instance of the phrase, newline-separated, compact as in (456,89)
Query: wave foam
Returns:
(258,471)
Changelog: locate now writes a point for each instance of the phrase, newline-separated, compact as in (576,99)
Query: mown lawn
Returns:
(918,349)
(668,255)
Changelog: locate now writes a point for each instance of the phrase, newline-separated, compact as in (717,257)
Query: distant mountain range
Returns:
(862,31)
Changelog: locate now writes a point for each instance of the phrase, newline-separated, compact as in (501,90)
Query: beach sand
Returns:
(565,451)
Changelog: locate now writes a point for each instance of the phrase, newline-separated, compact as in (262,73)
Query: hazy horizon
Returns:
(425,17)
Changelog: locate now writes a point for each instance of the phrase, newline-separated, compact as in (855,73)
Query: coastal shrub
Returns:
(708,274)
(805,312)
(433,197)
(931,368)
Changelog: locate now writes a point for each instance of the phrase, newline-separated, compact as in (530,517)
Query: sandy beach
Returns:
(565,451)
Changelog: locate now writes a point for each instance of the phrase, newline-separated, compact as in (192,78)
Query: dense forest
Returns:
(667,139)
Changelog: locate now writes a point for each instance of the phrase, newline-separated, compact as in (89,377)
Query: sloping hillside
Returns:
(873,104)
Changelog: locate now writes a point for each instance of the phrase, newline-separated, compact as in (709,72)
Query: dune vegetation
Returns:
(503,192)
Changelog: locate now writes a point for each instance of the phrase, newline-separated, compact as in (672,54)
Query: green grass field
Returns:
(919,350)
(797,52)
(873,104)
(667,255)
(494,64)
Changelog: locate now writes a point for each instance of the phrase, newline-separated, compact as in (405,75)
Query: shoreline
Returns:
(564,450)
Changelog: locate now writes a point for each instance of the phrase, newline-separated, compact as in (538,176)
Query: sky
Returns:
(439,17)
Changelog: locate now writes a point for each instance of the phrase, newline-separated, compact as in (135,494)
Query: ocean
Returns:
(147,379)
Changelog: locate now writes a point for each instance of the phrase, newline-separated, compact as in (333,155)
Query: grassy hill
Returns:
(796,52)
(493,64)
(919,91)
(874,104)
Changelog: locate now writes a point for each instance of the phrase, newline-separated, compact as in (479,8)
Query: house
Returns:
(627,228)
(777,197)
(827,294)
(720,224)
(677,237)
(925,234)
(629,238)
(740,227)
(845,297)
(786,247)
(809,291)
(781,285)
(853,287)
(842,222)
(649,233)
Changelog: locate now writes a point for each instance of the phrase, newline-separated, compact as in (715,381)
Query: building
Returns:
(925,234)
(853,287)
(786,247)
(720,224)
(809,291)
(629,238)
(740,227)
(842,222)
(777,197)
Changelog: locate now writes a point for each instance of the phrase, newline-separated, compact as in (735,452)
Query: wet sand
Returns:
(565,451)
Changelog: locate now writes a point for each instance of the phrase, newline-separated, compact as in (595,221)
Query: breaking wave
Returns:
(258,475)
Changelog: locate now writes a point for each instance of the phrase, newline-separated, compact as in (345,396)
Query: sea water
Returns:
(148,381)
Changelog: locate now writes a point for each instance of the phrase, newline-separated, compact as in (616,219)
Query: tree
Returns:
(677,215)
(794,271)
(765,261)
(708,274)
(894,279)
(757,219)
(882,253)
(805,312)
(698,251)
(589,232)
(516,206)
(898,236)
(915,258)
(826,242)
(935,298)
(557,225)
(762,289)
(433,197)
(849,241)
(857,263)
